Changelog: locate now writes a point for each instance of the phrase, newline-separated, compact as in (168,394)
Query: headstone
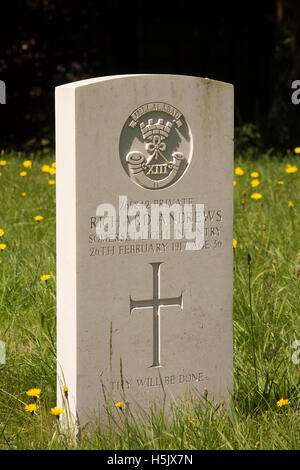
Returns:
(144,240)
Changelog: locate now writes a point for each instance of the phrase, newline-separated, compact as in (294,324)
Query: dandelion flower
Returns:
(27,164)
(234,243)
(51,182)
(23,194)
(254,174)
(238,171)
(119,404)
(45,168)
(52,171)
(255,183)
(1,232)
(23,173)
(290,204)
(243,201)
(53,165)
(31,408)
(283,402)
(280,182)
(297,150)
(3,162)
(234,183)
(2,246)
(34,392)
(37,218)
(57,411)
(45,277)
(291,168)
(256,196)
(244,193)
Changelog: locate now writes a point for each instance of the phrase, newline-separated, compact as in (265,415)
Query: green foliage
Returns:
(267,229)
(248,140)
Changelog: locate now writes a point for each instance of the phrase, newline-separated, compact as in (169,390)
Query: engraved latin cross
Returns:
(156,303)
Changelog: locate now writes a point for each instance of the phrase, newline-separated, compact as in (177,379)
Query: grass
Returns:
(265,323)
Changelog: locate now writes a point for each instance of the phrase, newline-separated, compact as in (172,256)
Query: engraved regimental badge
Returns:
(156,145)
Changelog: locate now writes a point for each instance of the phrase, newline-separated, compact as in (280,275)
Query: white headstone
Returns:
(155,298)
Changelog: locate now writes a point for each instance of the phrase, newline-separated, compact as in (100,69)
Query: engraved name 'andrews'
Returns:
(161,216)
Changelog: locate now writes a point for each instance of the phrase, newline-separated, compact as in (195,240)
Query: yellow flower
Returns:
(234,243)
(31,408)
(243,201)
(119,404)
(52,171)
(280,182)
(2,246)
(283,402)
(291,168)
(34,392)
(53,165)
(45,277)
(23,194)
(51,182)
(256,196)
(65,388)
(3,162)
(27,164)
(238,171)
(0,173)
(45,168)
(254,174)
(57,411)
(297,150)
(290,204)
(1,232)
(234,183)
(255,183)
(23,173)
(244,193)
(37,218)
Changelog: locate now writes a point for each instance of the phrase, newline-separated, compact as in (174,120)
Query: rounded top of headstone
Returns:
(91,81)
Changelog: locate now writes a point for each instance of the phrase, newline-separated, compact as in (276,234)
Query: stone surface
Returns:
(161,311)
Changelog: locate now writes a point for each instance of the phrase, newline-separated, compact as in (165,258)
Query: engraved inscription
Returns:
(195,377)
(117,245)
(156,303)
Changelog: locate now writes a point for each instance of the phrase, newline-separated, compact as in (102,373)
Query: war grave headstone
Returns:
(144,239)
